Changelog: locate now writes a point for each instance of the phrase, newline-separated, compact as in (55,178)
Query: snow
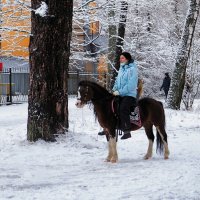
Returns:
(73,168)
(42,10)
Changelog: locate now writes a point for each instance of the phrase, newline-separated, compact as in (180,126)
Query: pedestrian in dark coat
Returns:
(166,84)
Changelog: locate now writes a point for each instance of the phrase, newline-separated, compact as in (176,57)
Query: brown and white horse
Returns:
(151,113)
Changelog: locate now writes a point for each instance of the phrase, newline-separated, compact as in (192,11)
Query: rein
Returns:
(85,95)
(115,112)
(106,97)
(102,98)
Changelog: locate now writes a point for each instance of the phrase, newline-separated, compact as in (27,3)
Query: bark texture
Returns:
(49,57)
(178,78)
(112,30)
(121,33)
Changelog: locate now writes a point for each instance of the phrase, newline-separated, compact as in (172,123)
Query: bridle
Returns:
(84,99)
(85,95)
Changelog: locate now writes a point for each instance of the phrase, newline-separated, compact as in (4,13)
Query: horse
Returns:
(151,114)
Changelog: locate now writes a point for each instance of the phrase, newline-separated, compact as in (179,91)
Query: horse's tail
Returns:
(159,143)
(163,113)
(159,139)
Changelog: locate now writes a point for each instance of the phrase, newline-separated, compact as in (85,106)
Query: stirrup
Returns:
(126,136)
(102,133)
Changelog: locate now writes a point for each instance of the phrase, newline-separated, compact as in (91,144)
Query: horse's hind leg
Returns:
(163,135)
(149,132)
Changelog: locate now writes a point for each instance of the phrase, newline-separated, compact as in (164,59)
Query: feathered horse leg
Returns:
(112,150)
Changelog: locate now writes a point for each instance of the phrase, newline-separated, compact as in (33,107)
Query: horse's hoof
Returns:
(107,160)
(166,155)
(113,161)
(146,157)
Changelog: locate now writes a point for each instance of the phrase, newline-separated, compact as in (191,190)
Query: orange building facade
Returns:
(15,27)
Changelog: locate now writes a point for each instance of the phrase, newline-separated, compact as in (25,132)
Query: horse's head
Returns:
(85,94)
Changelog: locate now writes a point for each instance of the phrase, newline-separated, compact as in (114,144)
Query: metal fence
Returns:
(14,83)
(76,76)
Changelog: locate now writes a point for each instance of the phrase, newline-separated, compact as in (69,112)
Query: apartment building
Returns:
(16,26)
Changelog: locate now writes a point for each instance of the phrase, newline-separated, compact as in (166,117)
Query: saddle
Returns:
(134,114)
(135,117)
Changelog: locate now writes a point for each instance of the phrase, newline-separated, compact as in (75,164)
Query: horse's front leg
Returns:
(108,159)
(112,150)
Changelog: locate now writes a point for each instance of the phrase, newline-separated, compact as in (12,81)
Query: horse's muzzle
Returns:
(79,104)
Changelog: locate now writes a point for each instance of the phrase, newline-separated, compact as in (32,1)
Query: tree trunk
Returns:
(121,34)
(112,31)
(177,26)
(49,57)
(178,78)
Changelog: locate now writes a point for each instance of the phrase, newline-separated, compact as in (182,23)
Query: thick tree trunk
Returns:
(49,58)
(178,78)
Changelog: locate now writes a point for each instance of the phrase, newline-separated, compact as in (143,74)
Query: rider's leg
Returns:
(125,108)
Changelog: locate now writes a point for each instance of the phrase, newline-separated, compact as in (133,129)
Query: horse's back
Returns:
(151,110)
(146,101)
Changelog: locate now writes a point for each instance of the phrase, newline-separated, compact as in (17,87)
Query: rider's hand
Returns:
(116,93)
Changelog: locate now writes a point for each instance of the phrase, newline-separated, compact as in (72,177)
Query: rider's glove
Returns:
(116,93)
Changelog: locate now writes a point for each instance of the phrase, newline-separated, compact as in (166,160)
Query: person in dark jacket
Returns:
(166,84)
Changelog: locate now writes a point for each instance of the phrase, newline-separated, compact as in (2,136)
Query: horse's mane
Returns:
(101,90)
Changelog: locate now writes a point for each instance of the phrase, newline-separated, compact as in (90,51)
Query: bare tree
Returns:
(192,80)
(152,35)
(112,31)
(178,78)
(121,33)
(49,58)
(116,39)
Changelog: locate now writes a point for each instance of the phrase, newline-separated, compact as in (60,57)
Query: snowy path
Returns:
(73,168)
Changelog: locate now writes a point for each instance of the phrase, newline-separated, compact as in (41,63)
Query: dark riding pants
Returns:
(126,106)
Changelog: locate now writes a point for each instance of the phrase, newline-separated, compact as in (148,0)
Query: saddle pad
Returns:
(135,117)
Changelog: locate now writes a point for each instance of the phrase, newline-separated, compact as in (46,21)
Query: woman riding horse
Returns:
(151,113)
(126,86)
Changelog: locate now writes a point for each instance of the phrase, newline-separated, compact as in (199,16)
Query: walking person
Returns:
(166,84)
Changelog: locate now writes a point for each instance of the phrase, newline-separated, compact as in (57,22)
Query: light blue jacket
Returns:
(127,80)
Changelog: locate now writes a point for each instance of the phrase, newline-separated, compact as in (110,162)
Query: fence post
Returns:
(9,94)
(77,78)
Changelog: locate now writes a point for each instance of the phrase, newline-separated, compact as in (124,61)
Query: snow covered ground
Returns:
(73,168)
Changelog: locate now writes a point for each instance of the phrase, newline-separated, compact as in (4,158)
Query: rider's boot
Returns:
(102,133)
(127,134)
